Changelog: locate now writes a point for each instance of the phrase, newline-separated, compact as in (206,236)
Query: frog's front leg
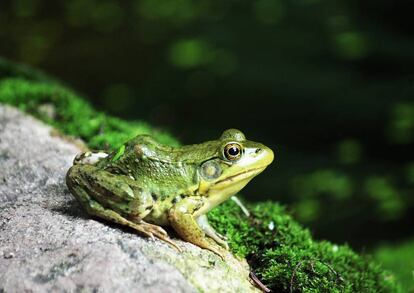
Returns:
(182,220)
(202,221)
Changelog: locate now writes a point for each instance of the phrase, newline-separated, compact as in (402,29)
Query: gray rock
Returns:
(48,243)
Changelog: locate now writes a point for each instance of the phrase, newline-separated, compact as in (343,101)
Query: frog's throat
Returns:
(225,188)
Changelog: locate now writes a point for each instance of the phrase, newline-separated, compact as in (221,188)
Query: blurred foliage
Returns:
(401,127)
(409,173)
(349,151)
(390,203)
(328,197)
(327,84)
(103,16)
(399,259)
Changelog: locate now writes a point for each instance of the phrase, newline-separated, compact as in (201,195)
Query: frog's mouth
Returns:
(254,162)
(225,188)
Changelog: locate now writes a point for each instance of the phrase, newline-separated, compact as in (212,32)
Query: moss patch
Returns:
(72,115)
(286,258)
(281,252)
(399,259)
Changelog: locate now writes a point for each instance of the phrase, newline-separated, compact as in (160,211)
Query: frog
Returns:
(147,186)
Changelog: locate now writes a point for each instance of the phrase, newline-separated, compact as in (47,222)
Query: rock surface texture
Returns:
(48,243)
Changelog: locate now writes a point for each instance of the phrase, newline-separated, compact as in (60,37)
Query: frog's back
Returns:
(147,146)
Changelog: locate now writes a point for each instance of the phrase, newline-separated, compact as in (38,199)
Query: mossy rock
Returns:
(280,251)
(286,258)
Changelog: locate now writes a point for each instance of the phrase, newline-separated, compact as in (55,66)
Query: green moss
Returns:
(284,256)
(72,115)
(399,258)
(281,252)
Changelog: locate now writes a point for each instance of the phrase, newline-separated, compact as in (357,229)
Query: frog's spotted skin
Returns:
(146,185)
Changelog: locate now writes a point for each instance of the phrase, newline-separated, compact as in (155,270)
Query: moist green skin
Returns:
(145,182)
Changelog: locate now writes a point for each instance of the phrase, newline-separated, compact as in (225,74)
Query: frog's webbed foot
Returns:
(150,228)
(217,250)
(202,221)
(154,230)
(145,228)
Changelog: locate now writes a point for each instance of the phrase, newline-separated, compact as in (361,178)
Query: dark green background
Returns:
(327,84)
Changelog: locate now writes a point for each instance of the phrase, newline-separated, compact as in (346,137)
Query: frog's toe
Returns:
(219,239)
(169,241)
(160,233)
(226,245)
(223,243)
(217,251)
(160,230)
(141,229)
(222,237)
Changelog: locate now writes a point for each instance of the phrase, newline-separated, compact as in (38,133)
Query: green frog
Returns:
(146,185)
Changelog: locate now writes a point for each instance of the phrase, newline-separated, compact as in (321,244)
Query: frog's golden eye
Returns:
(232,151)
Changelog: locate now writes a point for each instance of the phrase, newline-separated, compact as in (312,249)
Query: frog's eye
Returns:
(232,151)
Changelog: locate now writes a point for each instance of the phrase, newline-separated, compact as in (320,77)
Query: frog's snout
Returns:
(258,156)
(265,155)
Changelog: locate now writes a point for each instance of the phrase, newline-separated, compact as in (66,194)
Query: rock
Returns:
(48,243)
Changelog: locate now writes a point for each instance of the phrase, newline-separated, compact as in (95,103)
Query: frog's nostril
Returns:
(258,151)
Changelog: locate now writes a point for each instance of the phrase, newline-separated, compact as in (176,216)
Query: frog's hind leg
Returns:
(79,185)
(149,230)
(141,226)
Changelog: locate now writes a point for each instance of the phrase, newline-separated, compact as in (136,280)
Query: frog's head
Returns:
(237,162)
